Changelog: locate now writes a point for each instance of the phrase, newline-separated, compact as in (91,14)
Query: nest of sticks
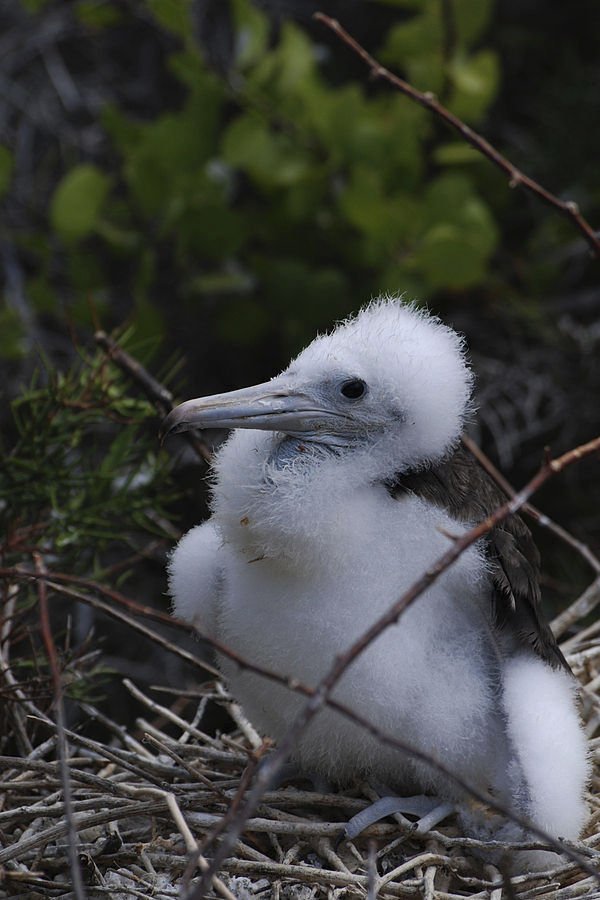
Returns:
(149,804)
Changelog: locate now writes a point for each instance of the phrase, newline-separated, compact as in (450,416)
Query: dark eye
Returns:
(353,389)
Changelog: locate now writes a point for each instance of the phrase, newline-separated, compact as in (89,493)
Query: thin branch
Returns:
(154,390)
(15,710)
(588,601)
(292,683)
(541,518)
(567,208)
(19,573)
(61,743)
(590,598)
(551,467)
(322,693)
(192,846)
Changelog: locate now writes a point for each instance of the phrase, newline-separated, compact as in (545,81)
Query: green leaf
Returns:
(6,167)
(269,158)
(253,28)
(470,19)
(384,217)
(475,82)
(172,14)
(456,153)
(12,343)
(97,15)
(421,34)
(209,228)
(301,297)
(289,67)
(459,236)
(416,47)
(168,157)
(35,6)
(77,201)
(124,132)
(447,258)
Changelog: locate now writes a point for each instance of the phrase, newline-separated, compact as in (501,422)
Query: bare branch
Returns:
(567,208)
(541,518)
(62,746)
(17,572)
(154,390)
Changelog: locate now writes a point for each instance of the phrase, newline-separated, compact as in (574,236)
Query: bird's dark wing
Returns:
(464,489)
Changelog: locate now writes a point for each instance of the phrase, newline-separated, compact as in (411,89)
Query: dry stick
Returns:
(160,710)
(149,612)
(96,603)
(153,389)
(192,845)
(232,812)
(197,775)
(578,610)
(15,709)
(541,518)
(591,596)
(291,684)
(322,694)
(62,746)
(568,208)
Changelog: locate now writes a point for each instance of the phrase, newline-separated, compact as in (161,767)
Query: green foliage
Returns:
(276,170)
(77,202)
(419,47)
(97,15)
(84,478)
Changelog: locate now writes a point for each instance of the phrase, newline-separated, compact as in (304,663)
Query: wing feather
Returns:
(465,490)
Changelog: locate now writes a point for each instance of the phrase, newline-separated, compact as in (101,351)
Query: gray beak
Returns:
(272,406)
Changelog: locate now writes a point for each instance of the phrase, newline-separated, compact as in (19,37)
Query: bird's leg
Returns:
(429,811)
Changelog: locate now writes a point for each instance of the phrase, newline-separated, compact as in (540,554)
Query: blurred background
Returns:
(214,181)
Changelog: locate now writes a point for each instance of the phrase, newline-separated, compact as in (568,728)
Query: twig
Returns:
(590,598)
(96,603)
(15,710)
(154,390)
(541,518)
(308,874)
(237,714)
(192,846)
(62,746)
(372,887)
(168,714)
(195,773)
(322,694)
(138,808)
(294,685)
(568,208)
(584,605)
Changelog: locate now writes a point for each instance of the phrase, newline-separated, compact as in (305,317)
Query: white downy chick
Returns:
(330,498)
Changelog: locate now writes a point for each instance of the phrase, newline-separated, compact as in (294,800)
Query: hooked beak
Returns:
(271,406)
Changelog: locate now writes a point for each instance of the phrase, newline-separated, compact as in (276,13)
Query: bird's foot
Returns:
(429,811)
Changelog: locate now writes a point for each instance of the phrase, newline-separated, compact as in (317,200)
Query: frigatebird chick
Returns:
(336,490)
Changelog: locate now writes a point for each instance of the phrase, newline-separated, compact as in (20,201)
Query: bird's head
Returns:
(393,379)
